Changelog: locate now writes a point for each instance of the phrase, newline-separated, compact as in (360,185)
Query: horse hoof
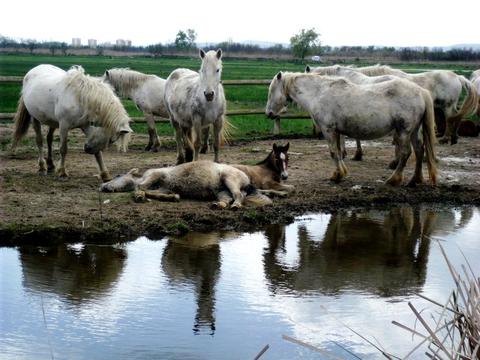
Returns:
(235,206)
(42,172)
(106,177)
(154,149)
(203,150)
(139,196)
(394,181)
(148,147)
(453,141)
(51,169)
(357,157)
(443,140)
(218,205)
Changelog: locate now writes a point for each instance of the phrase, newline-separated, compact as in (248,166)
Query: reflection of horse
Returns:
(74,275)
(69,100)
(195,260)
(340,107)
(146,91)
(383,253)
(445,87)
(194,101)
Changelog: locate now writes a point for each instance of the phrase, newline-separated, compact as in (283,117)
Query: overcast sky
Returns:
(347,22)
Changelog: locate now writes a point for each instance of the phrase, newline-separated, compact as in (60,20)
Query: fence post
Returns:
(276,126)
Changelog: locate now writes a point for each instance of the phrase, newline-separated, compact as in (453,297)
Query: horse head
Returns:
(277,98)
(280,160)
(98,138)
(210,73)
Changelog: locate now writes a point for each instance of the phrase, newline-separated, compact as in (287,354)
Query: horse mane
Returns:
(98,100)
(326,70)
(289,79)
(378,69)
(125,80)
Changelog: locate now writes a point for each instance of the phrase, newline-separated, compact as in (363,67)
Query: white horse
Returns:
(69,100)
(194,101)
(357,78)
(340,107)
(475,79)
(146,91)
(445,87)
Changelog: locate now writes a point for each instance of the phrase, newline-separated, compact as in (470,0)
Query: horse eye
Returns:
(218,70)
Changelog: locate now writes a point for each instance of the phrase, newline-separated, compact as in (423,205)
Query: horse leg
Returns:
(153,141)
(104,174)
(179,140)
(187,143)
(150,177)
(162,195)
(394,163)
(223,200)
(233,184)
(50,164)
(417,144)
(449,126)
(404,152)
(61,171)
(205,134)
(42,167)
(334,145)
(197,139)
(217,133)
(276,126)
(359,152)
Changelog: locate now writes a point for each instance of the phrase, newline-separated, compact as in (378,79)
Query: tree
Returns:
(156,49)
(185,40)
(304,43)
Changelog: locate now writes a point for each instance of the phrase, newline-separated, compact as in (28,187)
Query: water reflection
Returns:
(76,273)
(195,260)
(383,253)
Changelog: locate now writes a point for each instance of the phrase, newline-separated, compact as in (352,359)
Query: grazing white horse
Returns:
(146,91)
(194,101)
(340,107)
(475,79)
(69,100)
(445,87)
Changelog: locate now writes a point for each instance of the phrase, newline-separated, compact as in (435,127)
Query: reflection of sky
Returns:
(143,316)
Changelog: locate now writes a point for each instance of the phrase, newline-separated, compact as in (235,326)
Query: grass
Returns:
(238,97)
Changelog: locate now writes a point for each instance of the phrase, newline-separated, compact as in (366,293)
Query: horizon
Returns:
(414,24)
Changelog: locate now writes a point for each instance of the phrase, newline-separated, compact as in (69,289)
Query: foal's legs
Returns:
(153,141)
(104,174)
(417,143)
(405,150)
(233,183)
(223,199)
(42,167)
(50,164)
(179,140)
(205,134)
(61,171)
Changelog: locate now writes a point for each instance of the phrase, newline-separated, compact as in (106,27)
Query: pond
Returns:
(226,295)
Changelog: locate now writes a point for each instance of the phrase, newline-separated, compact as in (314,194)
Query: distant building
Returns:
(76,42)
(92,43)
(128,42)
(120,42)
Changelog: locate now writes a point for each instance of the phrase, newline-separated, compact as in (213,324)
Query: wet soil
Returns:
(47,209)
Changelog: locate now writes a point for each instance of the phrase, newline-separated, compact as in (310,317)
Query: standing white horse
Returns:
(146,91)
(475,79)
(194,101)
(340,107)
(445,87)
(69,100)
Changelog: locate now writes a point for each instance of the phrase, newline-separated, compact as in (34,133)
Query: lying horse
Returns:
(202,180)
(69,100)
(268,174)
(340,107)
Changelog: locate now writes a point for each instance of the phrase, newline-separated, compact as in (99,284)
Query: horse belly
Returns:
(40,101)
(366,128)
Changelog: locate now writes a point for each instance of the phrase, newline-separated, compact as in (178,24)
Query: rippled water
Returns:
(227,295)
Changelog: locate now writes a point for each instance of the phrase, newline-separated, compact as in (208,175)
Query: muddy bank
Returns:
(37,209)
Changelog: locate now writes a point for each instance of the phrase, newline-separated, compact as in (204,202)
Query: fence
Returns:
(276,126)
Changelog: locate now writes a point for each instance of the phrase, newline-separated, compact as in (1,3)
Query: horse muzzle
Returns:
(209,95)
(284,175)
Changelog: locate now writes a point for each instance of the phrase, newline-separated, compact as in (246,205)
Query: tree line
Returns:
(302,45)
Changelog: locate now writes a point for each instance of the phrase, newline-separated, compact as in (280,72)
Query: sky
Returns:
(341,22)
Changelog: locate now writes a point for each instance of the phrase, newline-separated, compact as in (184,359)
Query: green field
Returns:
(238,97)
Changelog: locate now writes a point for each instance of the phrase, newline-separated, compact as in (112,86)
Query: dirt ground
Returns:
(46,209)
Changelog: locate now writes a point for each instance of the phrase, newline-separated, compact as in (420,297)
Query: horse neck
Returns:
(128,82)
(268,165)
(303,98)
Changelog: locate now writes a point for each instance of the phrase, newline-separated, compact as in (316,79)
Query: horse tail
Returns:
(227,129)
(429,138)
(22,122)
(470,102)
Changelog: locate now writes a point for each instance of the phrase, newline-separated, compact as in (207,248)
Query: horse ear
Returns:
(219,54)
(202,53)
(285,148)
(279,76)
(107,74)
(307,69)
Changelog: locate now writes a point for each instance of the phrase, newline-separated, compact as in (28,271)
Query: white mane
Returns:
(125,80)
(98,100)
